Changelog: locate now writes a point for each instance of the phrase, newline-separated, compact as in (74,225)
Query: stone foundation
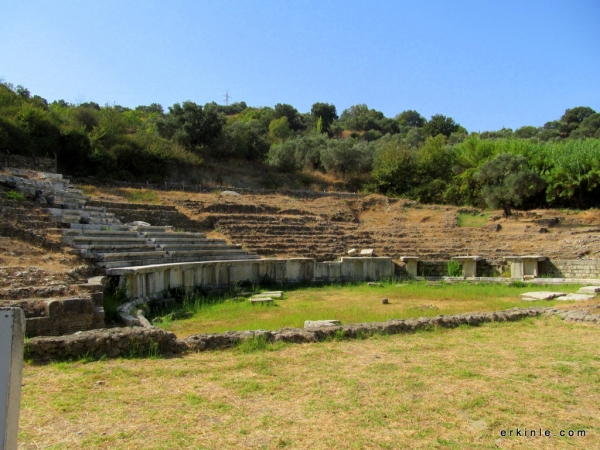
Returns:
(144,341)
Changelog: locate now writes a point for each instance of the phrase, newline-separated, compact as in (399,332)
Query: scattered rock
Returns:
(543,230)
(352,252)
(366,252)
(229,193)
(385,301)
(373,284)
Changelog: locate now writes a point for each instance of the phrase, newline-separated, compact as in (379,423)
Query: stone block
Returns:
(576,297)
(321,323)
(272,294)
(366,252)
(543,295)
(352,252)
(70,306)
(261,300)
(590,290)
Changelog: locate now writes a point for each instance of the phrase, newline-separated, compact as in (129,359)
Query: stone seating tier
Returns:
(152,245)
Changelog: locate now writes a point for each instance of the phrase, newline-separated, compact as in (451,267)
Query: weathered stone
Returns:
(352,252)
(294,335)
(590,290)
(138,223)
(373,284)
(575,297)
(542,295)
(385,301)
(272,294)
(229,193)
(321,323)
(366,252)
(261,300)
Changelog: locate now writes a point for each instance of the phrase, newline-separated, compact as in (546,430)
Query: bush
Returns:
(14,195)
(454,269)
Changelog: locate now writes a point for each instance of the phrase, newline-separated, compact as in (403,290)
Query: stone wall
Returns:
(113,343)
(66,316)
(144,341)
(29,162)
(153,280)
(578,268)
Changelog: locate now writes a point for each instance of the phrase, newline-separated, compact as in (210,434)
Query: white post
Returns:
(12,339)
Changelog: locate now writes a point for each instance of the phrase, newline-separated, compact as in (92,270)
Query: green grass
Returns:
(469,220)
(351,304)
(140,196)
(446,388)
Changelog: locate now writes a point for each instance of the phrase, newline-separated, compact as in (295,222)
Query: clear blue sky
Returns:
(486,64)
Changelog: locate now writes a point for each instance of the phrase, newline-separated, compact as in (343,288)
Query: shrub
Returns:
(14,195)
(454,269)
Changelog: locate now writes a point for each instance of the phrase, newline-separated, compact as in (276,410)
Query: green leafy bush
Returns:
(454,269)
(14,195)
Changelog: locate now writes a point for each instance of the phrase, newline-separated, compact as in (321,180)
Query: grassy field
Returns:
(438,389)
(354,303)
(469,220)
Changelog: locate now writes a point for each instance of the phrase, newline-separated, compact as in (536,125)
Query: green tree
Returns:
(589,127)
(507,182)
(294,120)
(324,111)
(279,129)
(526,132)
(440,124)
(394,167)
(411,118)
(191,125)
(576,115)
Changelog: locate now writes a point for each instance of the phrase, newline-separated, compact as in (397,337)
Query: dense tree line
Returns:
(433,161)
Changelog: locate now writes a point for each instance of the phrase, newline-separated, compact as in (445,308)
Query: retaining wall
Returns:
(153,280)
(579,268)
(66,316)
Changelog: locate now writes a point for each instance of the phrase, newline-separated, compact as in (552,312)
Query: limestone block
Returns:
(273,294)
(575,297)
(590,290)
(543,295)
(352,252)
(366,252)
(321,323)
(261,300)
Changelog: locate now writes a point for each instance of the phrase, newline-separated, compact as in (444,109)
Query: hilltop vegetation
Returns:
(432,161)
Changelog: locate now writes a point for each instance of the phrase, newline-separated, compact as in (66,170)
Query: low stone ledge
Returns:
(112,343)
(140,341)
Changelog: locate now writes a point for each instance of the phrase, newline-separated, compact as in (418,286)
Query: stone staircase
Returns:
(100,237)
(148,245)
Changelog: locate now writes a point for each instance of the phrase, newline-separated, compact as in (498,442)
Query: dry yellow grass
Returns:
(442,389)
